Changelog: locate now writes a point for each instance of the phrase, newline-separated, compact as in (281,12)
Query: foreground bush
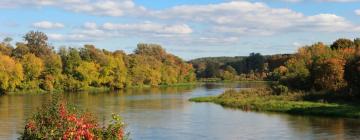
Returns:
(57,120)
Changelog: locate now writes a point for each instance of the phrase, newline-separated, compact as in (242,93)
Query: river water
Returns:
(166,114)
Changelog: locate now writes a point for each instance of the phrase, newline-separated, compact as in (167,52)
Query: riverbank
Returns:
(98,89)
(292,103)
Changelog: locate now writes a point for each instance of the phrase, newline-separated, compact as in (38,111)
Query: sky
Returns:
(187,28)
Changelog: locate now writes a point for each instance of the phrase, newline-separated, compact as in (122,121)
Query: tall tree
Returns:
(342,43)
(37,43)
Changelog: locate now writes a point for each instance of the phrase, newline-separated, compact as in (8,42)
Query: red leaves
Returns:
(31,126)
(78,127)
(56,121)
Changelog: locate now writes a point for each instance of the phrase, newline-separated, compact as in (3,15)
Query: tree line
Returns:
(252,67)
(334,67)
(321,67)
(35,65)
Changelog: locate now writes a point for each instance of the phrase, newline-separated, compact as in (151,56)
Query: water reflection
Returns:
(165,113)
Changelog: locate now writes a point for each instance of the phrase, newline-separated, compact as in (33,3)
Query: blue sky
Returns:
(187,28)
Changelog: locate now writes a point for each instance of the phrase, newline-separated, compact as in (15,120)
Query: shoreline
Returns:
(280,103)
(98,89)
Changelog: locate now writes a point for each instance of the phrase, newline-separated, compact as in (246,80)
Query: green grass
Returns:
(264,100)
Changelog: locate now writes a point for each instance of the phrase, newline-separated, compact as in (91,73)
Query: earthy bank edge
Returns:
(292,103)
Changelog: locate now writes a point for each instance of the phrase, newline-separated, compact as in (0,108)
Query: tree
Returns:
(20,50)
(169,75)
(71,60)
(37,43)
(11,73)
(357,42)
(33,66)
(352,75)
(88,72)
(212,70)
(255,62)
(328,74)
(151,50)
(5,46)
(298,75)
(145,70)
(113,73)
(342,43)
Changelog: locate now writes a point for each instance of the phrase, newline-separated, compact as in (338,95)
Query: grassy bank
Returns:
(292,103)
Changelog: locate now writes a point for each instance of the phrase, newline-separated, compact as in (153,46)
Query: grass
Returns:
(292,103)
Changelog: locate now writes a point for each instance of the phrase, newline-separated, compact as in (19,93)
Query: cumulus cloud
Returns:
(225,22)
(244,17)
(91,31)
(48,25)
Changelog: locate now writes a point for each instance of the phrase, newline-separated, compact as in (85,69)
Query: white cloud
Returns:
(90,25)
(340,1)
(243,17)
(150,27)
(357,12)
(94,7)
(48,25)
(225,22)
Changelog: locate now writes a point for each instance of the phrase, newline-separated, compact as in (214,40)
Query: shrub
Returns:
(280,89)
(57,120)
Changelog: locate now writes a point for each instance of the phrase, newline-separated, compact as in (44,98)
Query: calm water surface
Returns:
(165,113)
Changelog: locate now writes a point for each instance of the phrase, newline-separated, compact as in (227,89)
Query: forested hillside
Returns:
(35,65)
(252,67)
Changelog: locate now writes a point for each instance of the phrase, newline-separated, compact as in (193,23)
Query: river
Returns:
(166,114)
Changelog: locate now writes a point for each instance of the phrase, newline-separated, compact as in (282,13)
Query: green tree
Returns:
(352,75)
(255,62)
(342,43)
(37,43)
(20,50)
(71,60)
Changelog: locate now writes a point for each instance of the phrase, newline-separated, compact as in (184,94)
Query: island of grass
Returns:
(298,103)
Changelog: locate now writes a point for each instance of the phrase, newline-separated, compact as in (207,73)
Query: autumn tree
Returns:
(11,74)
(153,50)
(33,67)
(113,72)
(5,46)
(328,74)
(88,73)
(297,75)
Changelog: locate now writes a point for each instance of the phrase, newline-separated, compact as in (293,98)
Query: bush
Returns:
(280,89)
(57,120)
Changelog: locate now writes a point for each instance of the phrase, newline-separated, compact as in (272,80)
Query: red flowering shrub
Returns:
(58,120)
